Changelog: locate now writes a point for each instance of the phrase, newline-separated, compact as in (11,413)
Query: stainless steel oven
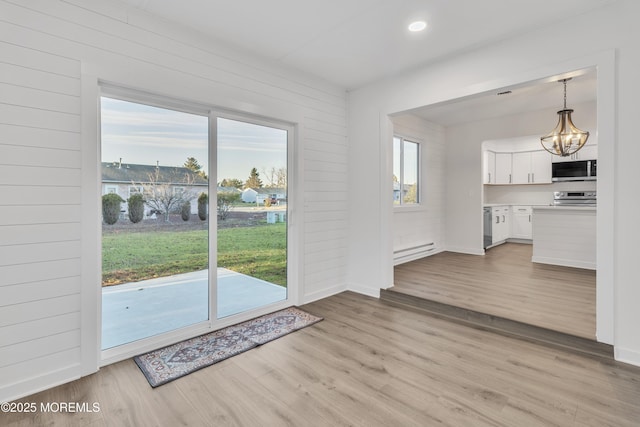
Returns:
(574,198)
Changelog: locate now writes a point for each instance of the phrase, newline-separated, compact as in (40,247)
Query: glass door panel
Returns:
(251,208)
(155,238)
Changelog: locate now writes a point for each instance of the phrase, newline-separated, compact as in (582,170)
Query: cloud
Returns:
(144,134)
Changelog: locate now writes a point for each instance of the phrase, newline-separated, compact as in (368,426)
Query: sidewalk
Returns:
(142,309)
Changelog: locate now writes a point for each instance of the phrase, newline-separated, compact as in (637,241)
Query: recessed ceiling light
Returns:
(417,26)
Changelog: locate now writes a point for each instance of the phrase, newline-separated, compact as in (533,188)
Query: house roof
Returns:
(267,190)
(228,190)
(144,174)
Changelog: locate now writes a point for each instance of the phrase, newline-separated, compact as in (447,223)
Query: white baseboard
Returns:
(324,293)
(565,262)
(415,256)
(364,290)
(462,250)
(624,355)
(37,384)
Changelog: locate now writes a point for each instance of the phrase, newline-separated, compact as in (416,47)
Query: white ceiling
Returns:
(530,96)
(355,42)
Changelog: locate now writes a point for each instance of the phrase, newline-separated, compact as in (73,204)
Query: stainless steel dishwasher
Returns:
(488,234)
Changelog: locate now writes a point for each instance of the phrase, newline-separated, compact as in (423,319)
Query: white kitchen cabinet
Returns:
(503,168)
(588,152)
(501,228)
(531,167)
(489,167)
(521,168)
(540,167)
(521,222)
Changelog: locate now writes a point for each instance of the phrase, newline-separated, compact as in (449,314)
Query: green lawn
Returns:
(258,251)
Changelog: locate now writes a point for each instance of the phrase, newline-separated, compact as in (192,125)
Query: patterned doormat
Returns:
(167,364)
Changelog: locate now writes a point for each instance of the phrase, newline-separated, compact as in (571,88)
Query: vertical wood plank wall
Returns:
(44,46)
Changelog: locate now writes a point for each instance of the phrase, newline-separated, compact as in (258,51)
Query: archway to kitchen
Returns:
(460,190)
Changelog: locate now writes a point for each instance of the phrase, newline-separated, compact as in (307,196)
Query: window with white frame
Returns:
(134,189)
(406,172)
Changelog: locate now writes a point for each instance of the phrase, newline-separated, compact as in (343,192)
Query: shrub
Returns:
(185,211)
(136,208)
(203,201)
(111,208)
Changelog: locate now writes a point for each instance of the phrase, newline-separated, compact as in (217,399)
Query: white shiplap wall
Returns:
(418,226)
(45,46)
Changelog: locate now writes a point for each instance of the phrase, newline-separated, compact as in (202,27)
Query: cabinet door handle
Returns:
(489,177)
(533,179)
(503,220)
(498,219)
(528,178)
(529,218)
(509,178)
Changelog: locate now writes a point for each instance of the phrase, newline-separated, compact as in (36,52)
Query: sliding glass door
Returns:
(155,242)
(194,219)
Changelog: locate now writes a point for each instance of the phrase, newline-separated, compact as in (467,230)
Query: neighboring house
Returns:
(259,195)
(128,179)
(228,190)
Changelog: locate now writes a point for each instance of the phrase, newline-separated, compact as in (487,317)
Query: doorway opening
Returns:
(598,316)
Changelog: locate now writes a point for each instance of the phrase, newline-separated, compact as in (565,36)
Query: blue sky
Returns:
(142,134)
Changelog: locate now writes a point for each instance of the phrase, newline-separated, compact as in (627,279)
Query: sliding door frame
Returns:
(92,191)
(292,234)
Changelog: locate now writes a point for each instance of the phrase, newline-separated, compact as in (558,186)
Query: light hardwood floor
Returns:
(505,283)
(366,364)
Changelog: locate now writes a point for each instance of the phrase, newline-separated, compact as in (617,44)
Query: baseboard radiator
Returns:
(415,252)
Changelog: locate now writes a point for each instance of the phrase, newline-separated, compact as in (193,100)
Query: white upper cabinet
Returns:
(533,167)
(529,167)
(521,168)
(503,168)
(489,167)
(518,160)
(540,167)
(588,152)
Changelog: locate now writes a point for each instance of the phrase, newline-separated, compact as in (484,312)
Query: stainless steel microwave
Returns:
(579,170)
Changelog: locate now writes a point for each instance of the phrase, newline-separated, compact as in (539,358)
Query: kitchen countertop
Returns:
(566,208)
(491,205)
(548,207)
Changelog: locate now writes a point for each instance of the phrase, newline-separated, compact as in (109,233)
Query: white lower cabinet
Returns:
(521,222)
(501,224)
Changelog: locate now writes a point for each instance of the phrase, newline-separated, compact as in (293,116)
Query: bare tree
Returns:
(164,192)
(225,203)
(276,178)
(281,177)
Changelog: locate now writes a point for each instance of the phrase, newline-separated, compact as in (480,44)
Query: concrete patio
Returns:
(142,309)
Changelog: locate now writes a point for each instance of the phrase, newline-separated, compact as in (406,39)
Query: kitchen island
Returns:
(565,235)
